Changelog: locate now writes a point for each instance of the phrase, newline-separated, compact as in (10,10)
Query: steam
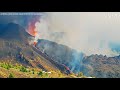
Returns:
(41,29)
(89,32)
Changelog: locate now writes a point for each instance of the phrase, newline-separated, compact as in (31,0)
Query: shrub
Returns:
(11,75)
(23,69)
(46,75)
(6,66)
(40,73)
(33,71)
(80,74)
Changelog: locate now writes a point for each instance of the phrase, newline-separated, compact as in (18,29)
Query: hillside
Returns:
(102,66)
(62,54)
(8,70)
(15,49)
(48,59)
(94,65)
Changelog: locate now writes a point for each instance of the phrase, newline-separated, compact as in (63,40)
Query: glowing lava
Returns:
(31,26)
(34,43)
(31,29)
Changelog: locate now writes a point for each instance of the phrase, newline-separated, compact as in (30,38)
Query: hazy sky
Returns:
(90,32)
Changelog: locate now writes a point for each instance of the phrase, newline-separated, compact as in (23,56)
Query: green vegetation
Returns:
(6,65)
(46,75)
(11,75)
(7,70)
(81,75)
(40,73)
(43,74)
(33,71)
(23,69)
(28,72)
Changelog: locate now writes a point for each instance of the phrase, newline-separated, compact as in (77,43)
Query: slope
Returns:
(14,48)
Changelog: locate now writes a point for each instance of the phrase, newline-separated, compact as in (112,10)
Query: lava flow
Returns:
(31,26)
(31,29)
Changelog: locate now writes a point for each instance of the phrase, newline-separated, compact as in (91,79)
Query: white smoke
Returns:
(89,32)
(42,29)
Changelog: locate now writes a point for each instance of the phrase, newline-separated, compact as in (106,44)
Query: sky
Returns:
(88,32)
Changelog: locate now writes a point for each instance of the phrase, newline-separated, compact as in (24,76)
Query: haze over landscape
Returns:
(86,42)
(92,33)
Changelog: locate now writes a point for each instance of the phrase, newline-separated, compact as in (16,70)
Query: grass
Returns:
(11,75)
(8,70)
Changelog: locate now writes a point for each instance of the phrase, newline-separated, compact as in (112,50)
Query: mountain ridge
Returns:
(15,48)
(92,65)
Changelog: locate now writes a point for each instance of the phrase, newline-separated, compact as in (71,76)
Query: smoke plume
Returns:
(89,32)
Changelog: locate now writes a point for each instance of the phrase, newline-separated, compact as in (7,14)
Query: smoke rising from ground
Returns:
(91,33)
(88,32)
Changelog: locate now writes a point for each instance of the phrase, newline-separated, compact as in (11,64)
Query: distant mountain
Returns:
(103,66)
(15,49)
(94,65)
(62,54)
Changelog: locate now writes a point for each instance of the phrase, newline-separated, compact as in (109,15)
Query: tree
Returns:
(6,66)
(80,74)
(23,69)
(33,71)
(46,75)
(40,73)
(11,75)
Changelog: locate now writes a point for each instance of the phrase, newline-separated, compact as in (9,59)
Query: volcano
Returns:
(51,56)
(99,66)
(12,31)
(15,48)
